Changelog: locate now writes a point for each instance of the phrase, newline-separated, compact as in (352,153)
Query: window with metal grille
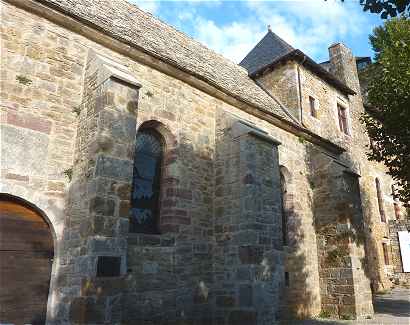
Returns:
(380,201)
(342,114)
(146,182)
(312,105)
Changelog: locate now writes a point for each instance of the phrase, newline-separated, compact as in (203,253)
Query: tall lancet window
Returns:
(146,182)
(285,203)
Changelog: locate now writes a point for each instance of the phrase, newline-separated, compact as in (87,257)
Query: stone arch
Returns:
(161,128)
(285,182)
(52,214)
(169,179)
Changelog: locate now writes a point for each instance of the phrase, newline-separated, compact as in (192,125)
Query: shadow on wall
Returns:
(341,236)
(298,301)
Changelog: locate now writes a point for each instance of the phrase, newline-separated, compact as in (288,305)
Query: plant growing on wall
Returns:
(68,173)
(23,80)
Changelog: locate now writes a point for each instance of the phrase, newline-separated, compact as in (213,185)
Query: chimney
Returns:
(343,65)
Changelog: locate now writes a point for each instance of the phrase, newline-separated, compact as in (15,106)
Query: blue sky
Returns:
(232,28)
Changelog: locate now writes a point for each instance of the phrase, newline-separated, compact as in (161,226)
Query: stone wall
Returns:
(282,82)
(72,104)
(326,98)
(248,256)
(345,287)
(344,67)
(398,276)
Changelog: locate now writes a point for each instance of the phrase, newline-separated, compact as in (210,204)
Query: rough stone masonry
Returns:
(264,205)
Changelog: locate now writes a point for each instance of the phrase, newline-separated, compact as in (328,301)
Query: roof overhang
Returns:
(306,61)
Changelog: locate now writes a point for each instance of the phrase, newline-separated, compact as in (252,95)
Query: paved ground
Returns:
(390,309)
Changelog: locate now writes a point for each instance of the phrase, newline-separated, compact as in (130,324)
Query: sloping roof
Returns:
(270,48)
(325,65)
(127,23)
(318,69)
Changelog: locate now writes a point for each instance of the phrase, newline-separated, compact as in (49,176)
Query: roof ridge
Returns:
(268,49)
(177,30)
(280,38)
(143,31)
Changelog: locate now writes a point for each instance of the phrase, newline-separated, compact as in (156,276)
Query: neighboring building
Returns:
(146,179)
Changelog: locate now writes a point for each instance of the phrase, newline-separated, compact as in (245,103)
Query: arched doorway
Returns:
(26,255)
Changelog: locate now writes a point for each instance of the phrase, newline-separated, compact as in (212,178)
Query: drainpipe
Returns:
(300,90)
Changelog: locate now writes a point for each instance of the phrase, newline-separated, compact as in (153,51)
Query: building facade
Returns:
(149,180)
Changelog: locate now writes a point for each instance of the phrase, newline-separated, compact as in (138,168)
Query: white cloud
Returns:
(310,25)
(233,40)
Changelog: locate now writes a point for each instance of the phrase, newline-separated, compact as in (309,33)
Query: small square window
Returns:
(108,266)
(312,105)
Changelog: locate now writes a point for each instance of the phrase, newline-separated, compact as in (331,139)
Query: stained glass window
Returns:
(146,182)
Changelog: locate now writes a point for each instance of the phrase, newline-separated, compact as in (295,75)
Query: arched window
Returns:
(284,208)
(380,201)
(146,182)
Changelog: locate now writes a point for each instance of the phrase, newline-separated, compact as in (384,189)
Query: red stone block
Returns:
(29,122)
(23,178)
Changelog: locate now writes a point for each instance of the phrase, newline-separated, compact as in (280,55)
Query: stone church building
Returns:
(146,179)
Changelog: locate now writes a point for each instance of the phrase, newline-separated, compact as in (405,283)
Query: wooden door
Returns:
(26,252)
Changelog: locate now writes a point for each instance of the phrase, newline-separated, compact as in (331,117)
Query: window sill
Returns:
(152,240)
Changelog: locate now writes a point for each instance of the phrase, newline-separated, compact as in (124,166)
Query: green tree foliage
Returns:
(388,118)
(387,8)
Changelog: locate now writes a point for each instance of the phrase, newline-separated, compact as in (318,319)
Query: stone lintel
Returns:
(241,128)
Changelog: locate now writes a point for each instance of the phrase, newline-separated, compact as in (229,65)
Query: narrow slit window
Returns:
(146,182)
(397,210)
(342,115)
(287,280)
(386,254)
(380,201)
(285,238)
(312,105)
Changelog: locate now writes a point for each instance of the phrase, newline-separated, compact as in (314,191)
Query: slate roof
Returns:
(270,48)
(129,24)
